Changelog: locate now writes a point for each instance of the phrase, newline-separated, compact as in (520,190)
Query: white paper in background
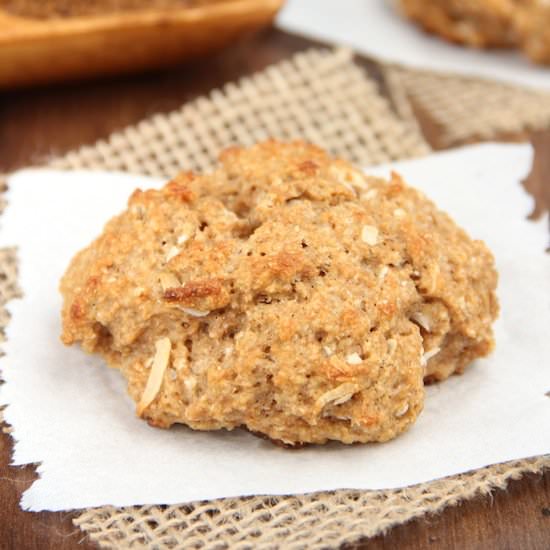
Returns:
(71,413)
(376,29)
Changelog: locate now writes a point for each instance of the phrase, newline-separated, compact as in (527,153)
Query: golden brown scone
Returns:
(477,23)
(487,23)
(285,292)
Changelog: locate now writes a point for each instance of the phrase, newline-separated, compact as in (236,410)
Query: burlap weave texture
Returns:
(319,95)
(465,109)
(324,97)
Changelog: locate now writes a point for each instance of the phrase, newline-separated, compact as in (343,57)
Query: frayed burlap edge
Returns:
(319,520)
(9,289)
(324,97)
(467,109)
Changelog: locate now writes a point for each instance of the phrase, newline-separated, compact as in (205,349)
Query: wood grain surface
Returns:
(36,124)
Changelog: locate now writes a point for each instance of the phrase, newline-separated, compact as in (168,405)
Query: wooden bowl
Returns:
(34,51)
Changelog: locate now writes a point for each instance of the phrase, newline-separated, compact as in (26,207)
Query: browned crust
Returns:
(193,289)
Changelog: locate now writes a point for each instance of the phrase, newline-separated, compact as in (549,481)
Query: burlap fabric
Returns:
(324,97)
(318,95)
(463,109)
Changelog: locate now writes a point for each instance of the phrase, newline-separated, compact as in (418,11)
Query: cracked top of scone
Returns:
(285,292)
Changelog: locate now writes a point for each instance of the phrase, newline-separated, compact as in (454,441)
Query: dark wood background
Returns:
(39,123)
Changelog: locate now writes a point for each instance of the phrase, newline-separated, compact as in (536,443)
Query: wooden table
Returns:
(36,124)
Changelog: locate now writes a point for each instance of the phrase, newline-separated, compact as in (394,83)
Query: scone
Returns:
(478,23)
(520,24)
(286,293)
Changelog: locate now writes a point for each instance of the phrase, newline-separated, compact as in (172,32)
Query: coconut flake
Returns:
(369,235)
(338,396)
(328,414)
(172,253)
(354,359)
(370,194)
(168,280)
(426,356)
(154,382)
(423,320)
(194,312)
(328,351)
(392,346)
(344,177)
(190,383)
(183,238)
(403,410)
(399,212)
(382,274)
(357,178)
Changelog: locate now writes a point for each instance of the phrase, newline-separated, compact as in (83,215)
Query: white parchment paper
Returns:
(375,28)
(70,412)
